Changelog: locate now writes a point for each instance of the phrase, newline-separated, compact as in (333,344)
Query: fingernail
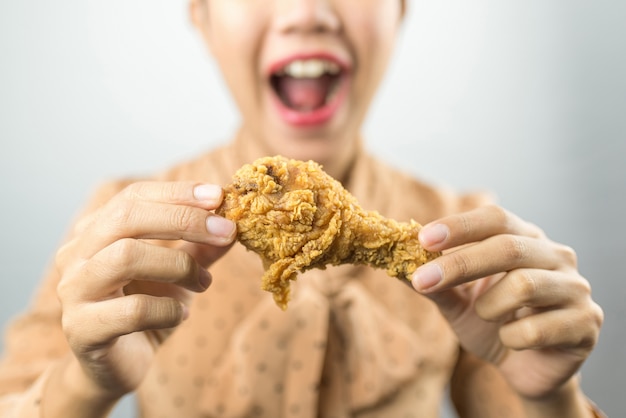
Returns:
(204,277)
(220,227)
(207,192)
(185,312)
(433,234)
(427,276)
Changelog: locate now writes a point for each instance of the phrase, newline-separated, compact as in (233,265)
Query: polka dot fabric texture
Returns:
(353,342)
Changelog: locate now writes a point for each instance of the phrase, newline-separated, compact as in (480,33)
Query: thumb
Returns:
(452,303)
(205,254)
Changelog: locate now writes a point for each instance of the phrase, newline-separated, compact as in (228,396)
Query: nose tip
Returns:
(306,16)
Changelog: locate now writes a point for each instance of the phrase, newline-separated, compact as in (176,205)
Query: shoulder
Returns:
(424,201)
(206,167)
(214,166)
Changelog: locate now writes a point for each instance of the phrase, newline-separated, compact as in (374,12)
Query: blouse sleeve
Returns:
(34,342)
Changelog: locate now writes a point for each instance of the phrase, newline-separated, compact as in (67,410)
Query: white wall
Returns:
(522,98)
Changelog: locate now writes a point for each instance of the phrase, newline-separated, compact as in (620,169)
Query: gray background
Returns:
(525,99)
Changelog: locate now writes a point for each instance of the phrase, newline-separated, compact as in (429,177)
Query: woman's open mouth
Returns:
(309,90)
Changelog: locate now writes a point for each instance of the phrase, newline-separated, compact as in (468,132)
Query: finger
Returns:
(97,324)
(206,196)
(176,208)
(451,303)
(83,223)
(472,226)
(205,255)
(139,219)
(562,328)
(105,274)
(454,302)
(530,288)
(500,253)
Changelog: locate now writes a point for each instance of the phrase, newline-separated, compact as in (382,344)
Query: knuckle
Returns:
(70,325)
(61,258)
(173,191)
(163,191)
(515,249)
(135,312)
(587,341)
(143,313)
(532,334)
(170,313)
(67,324)
(185,263)
(120,214)
(122,252)
(535,231)
(113,262)
(465,224)
(462,264)
(583,286)
(83,223)
(568,254)
(590,324)
(498,213)
(62,290)
(183,219)
(597,314)
(524,285)
(66,287)
(133,190)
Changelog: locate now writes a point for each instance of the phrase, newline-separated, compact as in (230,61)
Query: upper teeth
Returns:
(310,68)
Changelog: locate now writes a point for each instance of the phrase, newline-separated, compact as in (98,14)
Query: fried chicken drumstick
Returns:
(297,217)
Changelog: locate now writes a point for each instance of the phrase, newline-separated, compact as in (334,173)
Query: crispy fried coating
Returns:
(297,217)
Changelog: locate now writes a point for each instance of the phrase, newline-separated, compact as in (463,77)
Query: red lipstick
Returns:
(308,89)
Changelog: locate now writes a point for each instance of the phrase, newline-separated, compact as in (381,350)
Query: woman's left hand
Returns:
(513,297)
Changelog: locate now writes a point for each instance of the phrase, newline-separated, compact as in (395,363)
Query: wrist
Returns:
(568,401)
(69,392)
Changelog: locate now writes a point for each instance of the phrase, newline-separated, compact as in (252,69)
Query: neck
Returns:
(336,159)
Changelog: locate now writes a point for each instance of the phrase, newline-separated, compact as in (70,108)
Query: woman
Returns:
(503,316)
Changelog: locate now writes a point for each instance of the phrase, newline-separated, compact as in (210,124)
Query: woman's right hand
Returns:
(122,293)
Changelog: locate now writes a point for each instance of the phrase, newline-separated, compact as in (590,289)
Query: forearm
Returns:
(69,393)
(569,401)
(479,390)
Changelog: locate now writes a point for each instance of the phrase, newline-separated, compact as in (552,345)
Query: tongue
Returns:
(304,93)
